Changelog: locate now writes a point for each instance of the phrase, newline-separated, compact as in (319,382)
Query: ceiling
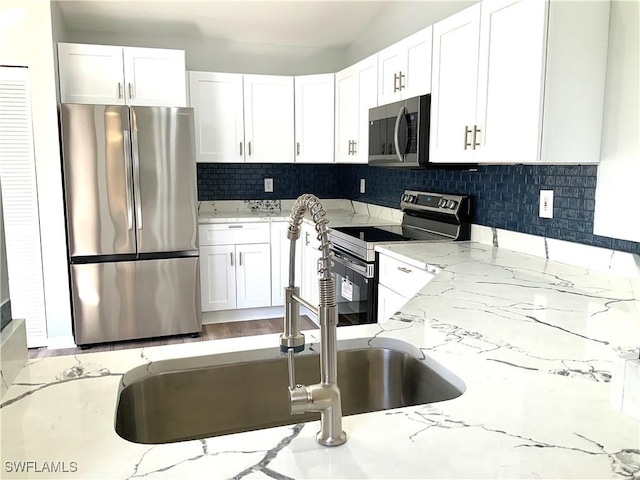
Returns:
(303,23)
(294,23)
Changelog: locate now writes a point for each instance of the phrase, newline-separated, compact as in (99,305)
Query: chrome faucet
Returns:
(323,397)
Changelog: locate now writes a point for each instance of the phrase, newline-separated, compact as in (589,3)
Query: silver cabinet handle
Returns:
(235,226)
(395,83)
(467,131)
(476,136)
(355,147)
(130,90)
(401,77)
(404,270)
(350,143)
(231,254)
(136,173)
(240,259)
(298,148)
(396,131)
(249,148)
(127,177)
(119,90)
(240,148)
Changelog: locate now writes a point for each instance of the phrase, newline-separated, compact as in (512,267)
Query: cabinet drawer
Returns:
(234,233)
(401,277)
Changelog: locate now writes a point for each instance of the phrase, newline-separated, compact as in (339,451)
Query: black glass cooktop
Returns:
(390,233)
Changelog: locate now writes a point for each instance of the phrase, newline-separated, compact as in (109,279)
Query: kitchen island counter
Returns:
(532,340)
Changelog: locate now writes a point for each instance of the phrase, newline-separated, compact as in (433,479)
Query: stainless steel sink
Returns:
(218,400)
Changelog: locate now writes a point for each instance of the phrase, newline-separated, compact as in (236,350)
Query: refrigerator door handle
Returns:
(136,173)
(127,177)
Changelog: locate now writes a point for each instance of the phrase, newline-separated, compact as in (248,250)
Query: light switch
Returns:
(268,184)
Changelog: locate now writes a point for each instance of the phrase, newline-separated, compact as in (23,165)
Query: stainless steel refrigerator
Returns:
(130,199)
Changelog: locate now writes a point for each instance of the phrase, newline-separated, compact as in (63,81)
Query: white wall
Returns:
(215,55)
(619,170)
(59,34)
(398,20)
(26,40)
(4,276)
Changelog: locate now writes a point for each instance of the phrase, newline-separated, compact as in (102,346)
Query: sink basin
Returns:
(216,400)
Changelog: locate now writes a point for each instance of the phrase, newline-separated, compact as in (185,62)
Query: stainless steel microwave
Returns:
(399,135)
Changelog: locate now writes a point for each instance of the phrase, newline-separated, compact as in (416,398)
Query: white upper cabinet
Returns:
(454,86)
(155,77)
(356,93)
(510,80)
(101,74)
(314,118)
(91,74)
(218,102)
(524,97)
(268,119)
(404,68)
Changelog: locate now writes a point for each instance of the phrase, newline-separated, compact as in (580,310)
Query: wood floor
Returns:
(209,332)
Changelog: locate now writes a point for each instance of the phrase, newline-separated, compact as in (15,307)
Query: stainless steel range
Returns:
(427,217)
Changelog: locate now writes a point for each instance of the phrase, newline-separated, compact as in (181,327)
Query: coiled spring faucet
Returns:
(323,397)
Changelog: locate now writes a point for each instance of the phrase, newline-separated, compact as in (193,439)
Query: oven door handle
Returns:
(363,269)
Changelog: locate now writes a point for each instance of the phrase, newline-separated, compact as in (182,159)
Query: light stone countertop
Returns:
(531,340)
(340,213)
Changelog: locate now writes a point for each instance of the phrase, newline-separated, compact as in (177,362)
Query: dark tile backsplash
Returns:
(505,196)
(244,181)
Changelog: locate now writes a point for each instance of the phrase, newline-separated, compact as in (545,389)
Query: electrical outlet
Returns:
(362,189)
(546,203)
(268,184)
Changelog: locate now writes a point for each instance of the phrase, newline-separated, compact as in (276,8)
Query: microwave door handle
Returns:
(396,131)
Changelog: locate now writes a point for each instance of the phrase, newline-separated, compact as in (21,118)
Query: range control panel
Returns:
(455,205)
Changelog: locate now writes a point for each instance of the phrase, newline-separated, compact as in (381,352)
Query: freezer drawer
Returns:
(115,301)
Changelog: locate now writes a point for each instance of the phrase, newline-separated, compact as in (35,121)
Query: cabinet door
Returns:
(91,74)
(454,86)
(417,73)
(510,80)
(268,117)
(389,302)
(217,278)
(404,69)
(346,120)
(310,256)
(314,118)
(391,62)
(217,102)
(367,98)
(280,245)
(253,274)
(356,93)
(155,77)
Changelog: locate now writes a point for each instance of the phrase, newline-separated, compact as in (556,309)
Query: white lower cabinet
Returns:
(310,256)
(280,246)
(389,302)
(398,283)
(235,266)
(253,275)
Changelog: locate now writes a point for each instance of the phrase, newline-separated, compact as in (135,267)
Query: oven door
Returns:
(355,289)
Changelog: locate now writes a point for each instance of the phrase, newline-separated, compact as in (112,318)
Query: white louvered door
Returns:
(20,204)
